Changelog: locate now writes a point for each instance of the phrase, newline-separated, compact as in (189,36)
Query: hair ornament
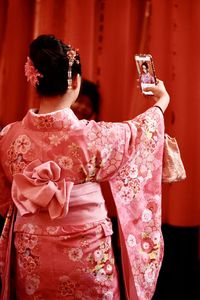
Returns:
(71,55)
(31,72)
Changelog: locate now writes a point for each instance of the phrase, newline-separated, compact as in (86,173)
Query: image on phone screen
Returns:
(146,71)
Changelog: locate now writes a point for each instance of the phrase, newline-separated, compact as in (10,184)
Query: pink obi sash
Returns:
(86,206)
(43,197)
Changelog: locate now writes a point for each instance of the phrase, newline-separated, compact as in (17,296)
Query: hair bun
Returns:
(49,56)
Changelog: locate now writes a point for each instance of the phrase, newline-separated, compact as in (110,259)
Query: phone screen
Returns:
(146,71)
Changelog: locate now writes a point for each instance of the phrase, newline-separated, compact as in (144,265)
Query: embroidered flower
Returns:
(108,268)
(75,254)
(28,228)
(147,245)
(126,194)
(66,286)
(54,140)
(19,244)
(74,150)
(28,262)
(65,162)
(145,257)
(146,215)
(108,295)
(135,185)
(52,229)
(149,275)
(106,245)
(156,237)
(32,283)
(101,275)
(133,173)
(44,121)
(98,255)
(22,144)
(30,240)
(131,241)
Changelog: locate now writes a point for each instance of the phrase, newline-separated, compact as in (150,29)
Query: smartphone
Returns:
(146,71)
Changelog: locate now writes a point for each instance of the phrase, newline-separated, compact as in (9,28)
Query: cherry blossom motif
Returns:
(66,286)
(108,268)
(147,245)
(54,140)
(131,241)
(52,229)
(22,144)
(75,254)
(101,275)
(27,262)
(32,73)
(32,283)
(65,162)
(156,236)
(127,195)
(146,215)
(29,228)
(44,121)
(149,274)
(30,240)
(98,255)
(108,295)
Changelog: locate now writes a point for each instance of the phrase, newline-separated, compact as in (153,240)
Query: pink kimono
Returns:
(52,164)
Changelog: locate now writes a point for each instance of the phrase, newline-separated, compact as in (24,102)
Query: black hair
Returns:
(49,56)
(90,90)
(145,64)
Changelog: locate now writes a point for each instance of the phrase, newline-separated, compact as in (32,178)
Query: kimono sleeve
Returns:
(108,145)
(136,191)
(111,145)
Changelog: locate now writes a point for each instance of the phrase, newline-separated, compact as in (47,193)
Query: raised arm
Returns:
(161,96)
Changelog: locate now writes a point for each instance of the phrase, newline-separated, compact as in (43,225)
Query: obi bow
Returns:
(40,187)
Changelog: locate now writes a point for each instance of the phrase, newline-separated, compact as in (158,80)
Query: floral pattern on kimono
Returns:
(128,155)
(83,267)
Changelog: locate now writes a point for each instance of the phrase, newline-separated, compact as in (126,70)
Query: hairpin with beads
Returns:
(71,55)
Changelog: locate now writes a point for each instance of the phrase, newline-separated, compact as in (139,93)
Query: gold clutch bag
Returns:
(173,168)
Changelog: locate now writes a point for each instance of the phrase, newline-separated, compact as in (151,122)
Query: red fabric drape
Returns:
(108,34)
(174,44)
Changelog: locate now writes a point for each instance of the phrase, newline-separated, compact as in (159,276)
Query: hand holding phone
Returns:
(146,71)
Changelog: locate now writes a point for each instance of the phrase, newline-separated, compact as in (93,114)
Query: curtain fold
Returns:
(176,58)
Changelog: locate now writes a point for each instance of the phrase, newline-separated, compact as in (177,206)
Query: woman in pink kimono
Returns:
(57,228)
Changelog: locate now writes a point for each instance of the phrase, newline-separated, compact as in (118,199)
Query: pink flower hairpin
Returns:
(32,73)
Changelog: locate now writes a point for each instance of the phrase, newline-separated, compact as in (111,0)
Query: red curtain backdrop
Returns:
(108,33)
